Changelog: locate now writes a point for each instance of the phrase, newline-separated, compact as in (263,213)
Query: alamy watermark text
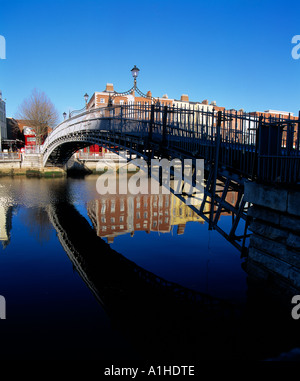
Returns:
(187,178)
(296,48)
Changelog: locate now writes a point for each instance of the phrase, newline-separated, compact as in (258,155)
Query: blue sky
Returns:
(237,53)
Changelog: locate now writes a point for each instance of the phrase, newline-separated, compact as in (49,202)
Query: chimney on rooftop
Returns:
(109,87)
(184,98)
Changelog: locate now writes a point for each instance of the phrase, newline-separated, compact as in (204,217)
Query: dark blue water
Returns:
(92,310)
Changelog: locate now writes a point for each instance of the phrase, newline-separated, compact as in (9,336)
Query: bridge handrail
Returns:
(236,126)
(255,143)
(143,113)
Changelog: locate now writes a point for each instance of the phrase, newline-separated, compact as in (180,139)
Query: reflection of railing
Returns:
(10,156)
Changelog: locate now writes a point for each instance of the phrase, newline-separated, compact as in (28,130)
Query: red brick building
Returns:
(27,129)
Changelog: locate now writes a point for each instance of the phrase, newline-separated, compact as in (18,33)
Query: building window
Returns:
(112,207)
(112,219)
(122,219)
(121,102)
(102,100)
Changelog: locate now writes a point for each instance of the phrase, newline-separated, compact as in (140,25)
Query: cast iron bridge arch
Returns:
(247,145)
(236,147)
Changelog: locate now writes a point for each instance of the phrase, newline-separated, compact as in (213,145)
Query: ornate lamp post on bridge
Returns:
(135,72)
(86,97)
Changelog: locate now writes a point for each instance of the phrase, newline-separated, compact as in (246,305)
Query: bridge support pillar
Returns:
(274,250)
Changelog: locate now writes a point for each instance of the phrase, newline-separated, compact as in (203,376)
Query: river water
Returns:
(115,278)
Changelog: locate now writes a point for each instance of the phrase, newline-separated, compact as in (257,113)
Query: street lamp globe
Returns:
(64,115)
(135,72)
(86,97)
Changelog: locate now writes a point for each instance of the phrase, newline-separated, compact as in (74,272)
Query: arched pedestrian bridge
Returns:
(250,146)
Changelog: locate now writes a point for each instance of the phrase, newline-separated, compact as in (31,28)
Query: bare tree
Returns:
(40,113)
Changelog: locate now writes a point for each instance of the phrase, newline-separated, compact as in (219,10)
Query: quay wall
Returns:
(33,164)
(274,250)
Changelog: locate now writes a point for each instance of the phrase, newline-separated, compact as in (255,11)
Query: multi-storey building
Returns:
(110,96)
(3,129)
(238,128)
(101,99)
(185,103)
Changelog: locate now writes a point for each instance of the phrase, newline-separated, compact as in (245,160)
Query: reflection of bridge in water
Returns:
(163,319)
(155,314)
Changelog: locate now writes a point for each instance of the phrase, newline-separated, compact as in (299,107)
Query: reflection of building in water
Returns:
(5,224)
(114,215)
(182,213)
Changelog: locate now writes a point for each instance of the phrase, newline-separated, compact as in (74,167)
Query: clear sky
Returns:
(237,53)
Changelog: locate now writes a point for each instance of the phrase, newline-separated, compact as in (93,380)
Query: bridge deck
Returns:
(254,147)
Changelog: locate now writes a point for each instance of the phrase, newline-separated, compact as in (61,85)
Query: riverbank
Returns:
(33,172)
(54,172)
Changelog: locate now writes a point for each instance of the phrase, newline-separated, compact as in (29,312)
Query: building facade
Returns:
(3,129)
(101,99)
(110,96)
